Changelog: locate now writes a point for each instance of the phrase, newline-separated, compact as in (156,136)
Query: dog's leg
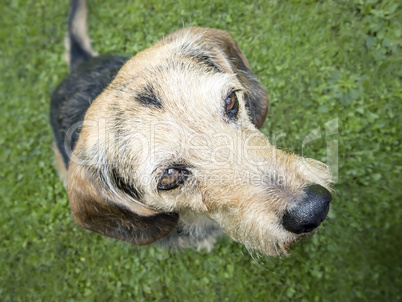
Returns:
(77,40)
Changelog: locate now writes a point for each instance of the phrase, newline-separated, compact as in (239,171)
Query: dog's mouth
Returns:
(289,242)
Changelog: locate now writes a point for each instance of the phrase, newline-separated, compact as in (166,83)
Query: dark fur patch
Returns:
(148,97)
(256,105)
(207,61)
(125,187)
(75,94)
(110,178)
(188,50)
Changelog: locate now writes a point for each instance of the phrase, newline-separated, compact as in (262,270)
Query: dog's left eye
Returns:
(172,177)
(231,105)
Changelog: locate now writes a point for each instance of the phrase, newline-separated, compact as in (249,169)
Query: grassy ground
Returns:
(319,60)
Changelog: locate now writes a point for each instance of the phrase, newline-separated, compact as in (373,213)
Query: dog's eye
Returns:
(172,178)
(231,105)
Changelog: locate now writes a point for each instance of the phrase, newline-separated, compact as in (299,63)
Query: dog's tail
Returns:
(77,42)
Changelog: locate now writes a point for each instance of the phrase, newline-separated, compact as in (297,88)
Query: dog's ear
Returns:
(224,53)
(113,212)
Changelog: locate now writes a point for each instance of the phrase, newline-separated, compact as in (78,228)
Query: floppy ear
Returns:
(227,55)
(111,211)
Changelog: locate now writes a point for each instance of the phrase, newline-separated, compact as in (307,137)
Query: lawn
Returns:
(319,60)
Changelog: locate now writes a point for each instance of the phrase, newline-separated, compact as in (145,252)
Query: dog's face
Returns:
(176,133)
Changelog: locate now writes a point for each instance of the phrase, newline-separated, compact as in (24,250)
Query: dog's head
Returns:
(177,132)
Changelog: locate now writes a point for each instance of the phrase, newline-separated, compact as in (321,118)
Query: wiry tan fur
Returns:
(239,183)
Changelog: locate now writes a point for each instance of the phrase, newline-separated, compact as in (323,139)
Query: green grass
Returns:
(319,60)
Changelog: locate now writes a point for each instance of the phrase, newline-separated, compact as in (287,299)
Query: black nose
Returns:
(309,212)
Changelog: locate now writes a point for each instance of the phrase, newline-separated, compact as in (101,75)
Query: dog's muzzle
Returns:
(309,212)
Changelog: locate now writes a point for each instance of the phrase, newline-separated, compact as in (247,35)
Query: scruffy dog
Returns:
(165,146)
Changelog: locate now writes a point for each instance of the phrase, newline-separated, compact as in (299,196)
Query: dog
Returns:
(164,147)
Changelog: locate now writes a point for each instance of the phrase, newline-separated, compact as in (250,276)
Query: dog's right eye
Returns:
(172,177)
